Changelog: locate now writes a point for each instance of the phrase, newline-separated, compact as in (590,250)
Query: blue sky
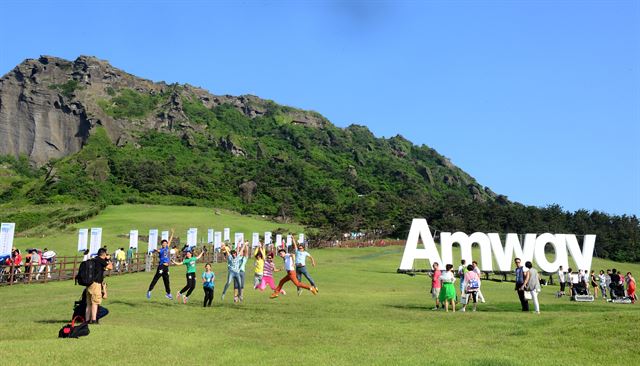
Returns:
(539,100)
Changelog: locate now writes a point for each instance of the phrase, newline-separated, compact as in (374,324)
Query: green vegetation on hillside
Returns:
(68,88)
(130,104)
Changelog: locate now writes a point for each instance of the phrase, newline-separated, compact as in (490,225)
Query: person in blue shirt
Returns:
(301,265)
(163,268)
(207,284)
(234,261)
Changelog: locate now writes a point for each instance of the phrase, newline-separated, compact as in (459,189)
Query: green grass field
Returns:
(365,314)
(119,220)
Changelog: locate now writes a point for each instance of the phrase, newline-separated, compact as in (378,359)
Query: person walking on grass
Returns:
(301,268)
(462,269)
(448,291)
(436,285)
(95,292)
(594,283)
(472,287)
(207,284)
(561,279)
(189,262)
(163,268)
(129,258)
(520,285)
(233,270)
(289,267)
(603,284)
(476,269)
(532,285)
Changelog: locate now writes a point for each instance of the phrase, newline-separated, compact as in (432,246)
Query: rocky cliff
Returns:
(50,106)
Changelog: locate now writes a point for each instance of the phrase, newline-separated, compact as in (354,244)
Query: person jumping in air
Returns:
(267,275)
(289,266)
(233,268)
(207,284)
(301,268)
(258,266)
(190,262)
(163,268)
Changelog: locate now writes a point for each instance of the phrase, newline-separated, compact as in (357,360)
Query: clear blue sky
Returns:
(539,100)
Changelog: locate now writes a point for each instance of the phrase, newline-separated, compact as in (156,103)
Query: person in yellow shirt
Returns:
(259,256)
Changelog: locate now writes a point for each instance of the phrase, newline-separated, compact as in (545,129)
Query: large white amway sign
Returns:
(491,247)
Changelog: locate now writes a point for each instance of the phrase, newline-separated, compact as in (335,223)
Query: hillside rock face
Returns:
(49,107)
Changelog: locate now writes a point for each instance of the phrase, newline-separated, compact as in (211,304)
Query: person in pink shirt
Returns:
(472,286)
(436,284)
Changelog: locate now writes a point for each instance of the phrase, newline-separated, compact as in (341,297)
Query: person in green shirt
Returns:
(190,262)
(129,259)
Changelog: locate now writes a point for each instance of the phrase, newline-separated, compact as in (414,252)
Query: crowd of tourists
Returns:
(528,285)
(34,264)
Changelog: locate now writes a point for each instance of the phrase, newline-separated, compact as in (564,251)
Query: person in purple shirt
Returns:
(163,268)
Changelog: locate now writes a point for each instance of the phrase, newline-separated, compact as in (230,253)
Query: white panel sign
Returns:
(238,238)
(300,238)
(289,241)
(255,240)
(278,240)
(267,237)
(153,240)
(217,240)
(164,236)
(133,239)
(95,241)
(227,234)
(192,237)
(83,239)
(209,236)
(7,230)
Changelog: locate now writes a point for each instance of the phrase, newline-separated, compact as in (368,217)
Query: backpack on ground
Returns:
(71,330)
(86,273)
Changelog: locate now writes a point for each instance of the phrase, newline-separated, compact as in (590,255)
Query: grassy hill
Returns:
(364,314)
(119,220)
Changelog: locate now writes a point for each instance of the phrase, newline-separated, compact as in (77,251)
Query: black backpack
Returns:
(72,330)
(86,273)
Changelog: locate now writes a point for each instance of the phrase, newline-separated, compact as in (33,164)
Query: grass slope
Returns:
(364,314)
(119,220)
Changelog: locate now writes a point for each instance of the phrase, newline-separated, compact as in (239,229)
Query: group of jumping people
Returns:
(236,258)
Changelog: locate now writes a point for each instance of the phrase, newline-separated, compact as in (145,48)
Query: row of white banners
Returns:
(93,238)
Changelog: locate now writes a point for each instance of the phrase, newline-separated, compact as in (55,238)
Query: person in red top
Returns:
(436,284)
(631,287)
(14,262)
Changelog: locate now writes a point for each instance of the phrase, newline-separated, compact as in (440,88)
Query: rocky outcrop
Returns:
(247,190)
(50,106)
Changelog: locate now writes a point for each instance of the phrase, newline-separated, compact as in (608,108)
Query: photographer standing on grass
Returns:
(96,291)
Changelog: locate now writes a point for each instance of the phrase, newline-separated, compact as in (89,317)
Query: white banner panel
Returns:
(267,237)
(209,236)
(300,238)
(227,234)
(238,238)
(164,236)
(192,237)
(95,241)
(255,240)
(289,241)
(7,231)
(217,240)
(133,239)
(83,239)
(278,240)
(153,240)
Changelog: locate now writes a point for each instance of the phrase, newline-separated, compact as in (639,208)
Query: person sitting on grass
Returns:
(190,262)
(448,291)
(289,266)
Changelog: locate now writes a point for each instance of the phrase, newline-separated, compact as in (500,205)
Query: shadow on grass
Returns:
(52,321)
(120,302)
(515,307)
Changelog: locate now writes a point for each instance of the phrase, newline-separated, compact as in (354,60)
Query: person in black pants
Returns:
(207,284)
(163,268)
(189,262)
(520,285)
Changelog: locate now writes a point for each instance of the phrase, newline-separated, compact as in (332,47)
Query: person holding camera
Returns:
(96,291)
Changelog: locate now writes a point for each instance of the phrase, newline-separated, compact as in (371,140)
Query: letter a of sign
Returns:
(419,230)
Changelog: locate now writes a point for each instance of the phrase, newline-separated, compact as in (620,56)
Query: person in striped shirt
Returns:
(267,275)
